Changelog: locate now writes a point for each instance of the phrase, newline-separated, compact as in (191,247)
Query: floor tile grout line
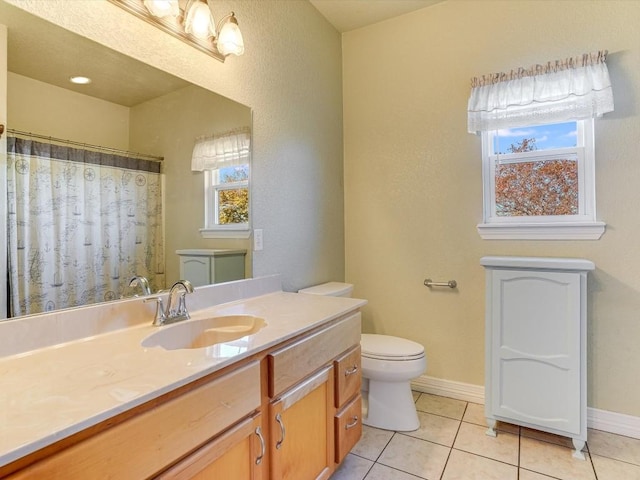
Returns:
(519,452)
(444,468)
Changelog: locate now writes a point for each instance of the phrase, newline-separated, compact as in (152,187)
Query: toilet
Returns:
(388,366)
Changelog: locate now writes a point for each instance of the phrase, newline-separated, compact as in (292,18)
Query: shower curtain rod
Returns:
(86,145)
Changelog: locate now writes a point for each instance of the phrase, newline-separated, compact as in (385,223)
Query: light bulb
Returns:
(230,41)
(162,8)
(199,21)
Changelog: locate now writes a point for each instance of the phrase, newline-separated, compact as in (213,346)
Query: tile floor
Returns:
(451,445)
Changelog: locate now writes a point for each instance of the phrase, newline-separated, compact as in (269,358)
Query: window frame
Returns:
(212,228)
(582,226)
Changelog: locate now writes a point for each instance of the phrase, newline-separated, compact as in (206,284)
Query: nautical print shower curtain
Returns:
(81,224)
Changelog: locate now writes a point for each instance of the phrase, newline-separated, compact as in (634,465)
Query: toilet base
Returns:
(390,406)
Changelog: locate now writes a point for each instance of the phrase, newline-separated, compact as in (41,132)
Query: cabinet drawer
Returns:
(298,360)
(147,443)
(348,375)
(348,428)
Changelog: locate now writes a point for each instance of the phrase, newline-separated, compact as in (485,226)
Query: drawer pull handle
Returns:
(282,431)
(350,371)
(352,423)
(262,446)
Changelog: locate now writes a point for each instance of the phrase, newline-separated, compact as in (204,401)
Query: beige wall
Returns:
(38,107)
(168,126)
(413,187)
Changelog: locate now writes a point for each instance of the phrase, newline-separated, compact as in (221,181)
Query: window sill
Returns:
(542,231)
(226,233)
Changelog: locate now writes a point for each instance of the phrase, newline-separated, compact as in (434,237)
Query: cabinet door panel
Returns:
(301,429)
(536,354)
(233,455)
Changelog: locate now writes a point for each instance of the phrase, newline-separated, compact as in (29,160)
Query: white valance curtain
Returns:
(221,150)
(572,89)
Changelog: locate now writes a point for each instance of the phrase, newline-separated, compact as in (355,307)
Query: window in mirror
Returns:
(227,200)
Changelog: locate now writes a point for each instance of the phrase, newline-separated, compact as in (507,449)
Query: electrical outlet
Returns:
(257,239)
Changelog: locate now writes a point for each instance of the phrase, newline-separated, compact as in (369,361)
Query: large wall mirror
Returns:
(128,106)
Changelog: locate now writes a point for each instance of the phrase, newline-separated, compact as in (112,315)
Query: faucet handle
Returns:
(160,317)
(182,306)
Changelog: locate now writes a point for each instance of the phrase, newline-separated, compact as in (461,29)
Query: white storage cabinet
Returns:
(209,266)
(536,350)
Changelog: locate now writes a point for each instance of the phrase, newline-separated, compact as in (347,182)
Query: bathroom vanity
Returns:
(282,403)
(536,350)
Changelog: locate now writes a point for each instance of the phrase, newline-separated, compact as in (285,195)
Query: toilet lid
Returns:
(386,346)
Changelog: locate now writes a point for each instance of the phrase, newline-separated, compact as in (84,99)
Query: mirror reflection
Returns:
(86,215)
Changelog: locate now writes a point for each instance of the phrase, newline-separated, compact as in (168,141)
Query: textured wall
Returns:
(290,76)
(413,186)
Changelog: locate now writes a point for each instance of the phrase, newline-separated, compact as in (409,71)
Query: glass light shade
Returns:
(199,21)
(230,41)
(162,8)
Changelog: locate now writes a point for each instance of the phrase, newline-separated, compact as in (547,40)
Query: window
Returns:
(225,160)
(539,175)
(227,198)
(538,164)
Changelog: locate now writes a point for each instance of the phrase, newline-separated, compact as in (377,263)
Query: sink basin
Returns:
(205,332)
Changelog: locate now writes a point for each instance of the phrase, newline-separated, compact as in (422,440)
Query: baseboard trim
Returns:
(604,420)
(448,388)
(613,422)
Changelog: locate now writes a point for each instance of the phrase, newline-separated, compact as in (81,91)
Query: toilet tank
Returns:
(331,289)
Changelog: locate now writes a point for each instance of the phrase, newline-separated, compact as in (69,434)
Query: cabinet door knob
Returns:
(352,423)
(262,446)
(282,431)
(351,371)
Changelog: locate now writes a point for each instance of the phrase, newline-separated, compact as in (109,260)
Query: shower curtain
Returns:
(81,224)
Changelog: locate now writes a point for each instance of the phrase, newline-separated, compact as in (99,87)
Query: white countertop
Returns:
(51,393)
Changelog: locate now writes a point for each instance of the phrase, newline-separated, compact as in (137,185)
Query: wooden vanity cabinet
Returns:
(301,430)
(238,454)
(289,413)
(307,417)
(148,441)
(348,402)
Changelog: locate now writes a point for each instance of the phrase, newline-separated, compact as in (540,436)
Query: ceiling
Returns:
(49,53)
(348,15)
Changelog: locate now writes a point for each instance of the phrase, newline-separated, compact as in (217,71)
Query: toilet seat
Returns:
(389,348)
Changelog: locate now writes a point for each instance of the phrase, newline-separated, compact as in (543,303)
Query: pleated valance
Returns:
(572,89)
(221,150)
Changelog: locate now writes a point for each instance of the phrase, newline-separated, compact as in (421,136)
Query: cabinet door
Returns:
(237,454)
(301,430)
(196,269)
(535,348)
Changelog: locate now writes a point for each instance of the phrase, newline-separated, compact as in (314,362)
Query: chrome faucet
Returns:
(143,282)
(173,313)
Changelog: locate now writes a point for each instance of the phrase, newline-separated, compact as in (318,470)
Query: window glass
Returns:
(538,187)
(536,138)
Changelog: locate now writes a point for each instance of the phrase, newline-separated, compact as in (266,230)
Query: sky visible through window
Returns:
(547,137)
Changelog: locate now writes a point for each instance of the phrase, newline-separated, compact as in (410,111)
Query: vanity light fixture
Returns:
(191,21)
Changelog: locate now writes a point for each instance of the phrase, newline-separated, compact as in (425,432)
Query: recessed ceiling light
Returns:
(80,80)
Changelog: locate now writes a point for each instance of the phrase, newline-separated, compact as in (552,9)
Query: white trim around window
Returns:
(212,228)
(582,226)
